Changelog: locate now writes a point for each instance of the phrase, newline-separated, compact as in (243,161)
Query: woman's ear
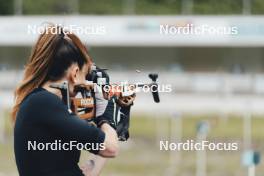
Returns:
(73,74)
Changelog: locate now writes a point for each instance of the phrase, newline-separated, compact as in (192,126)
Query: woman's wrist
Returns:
(105,125)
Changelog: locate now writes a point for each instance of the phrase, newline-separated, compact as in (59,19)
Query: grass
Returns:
(141,155)
(221,128)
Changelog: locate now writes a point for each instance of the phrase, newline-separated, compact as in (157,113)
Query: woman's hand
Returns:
(108,114)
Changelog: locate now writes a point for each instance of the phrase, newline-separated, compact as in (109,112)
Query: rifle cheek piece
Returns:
(84,106)
(64,88)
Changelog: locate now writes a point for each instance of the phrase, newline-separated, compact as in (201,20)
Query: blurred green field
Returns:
(117,7)
(141,155)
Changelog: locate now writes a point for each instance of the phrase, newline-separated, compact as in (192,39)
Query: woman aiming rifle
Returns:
(42,118)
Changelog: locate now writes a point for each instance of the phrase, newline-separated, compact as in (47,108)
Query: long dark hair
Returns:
(55,51)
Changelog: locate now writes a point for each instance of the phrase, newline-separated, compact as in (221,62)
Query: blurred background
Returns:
(217,81)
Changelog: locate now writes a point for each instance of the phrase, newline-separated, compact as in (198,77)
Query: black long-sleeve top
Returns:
(44,118)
